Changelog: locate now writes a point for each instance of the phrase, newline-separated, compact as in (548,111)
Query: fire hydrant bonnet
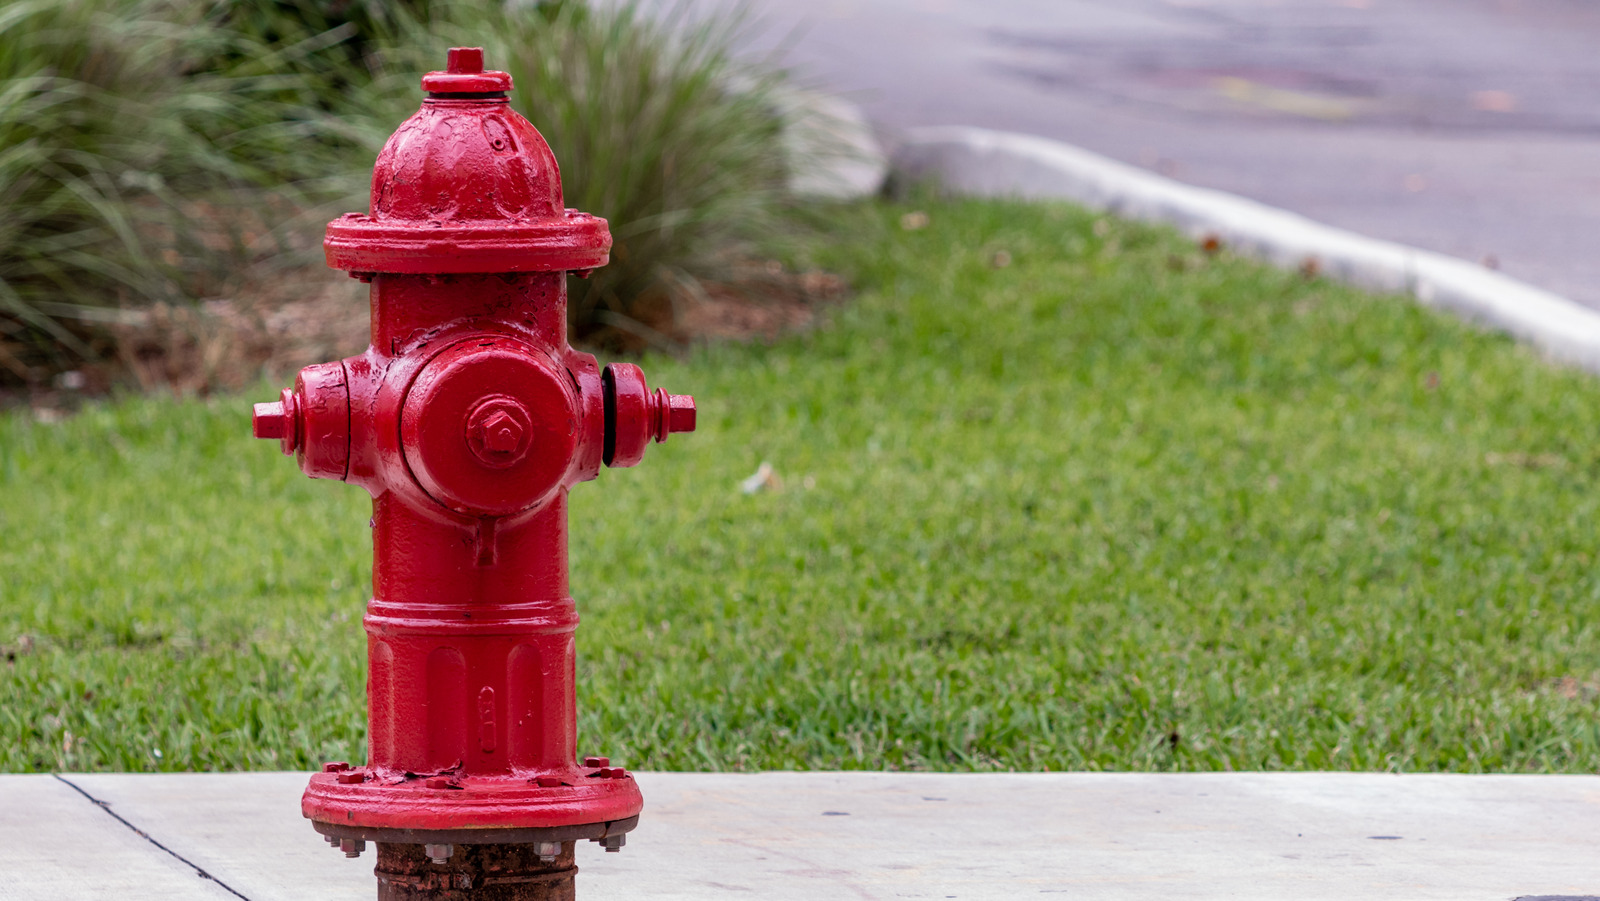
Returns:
(466,185)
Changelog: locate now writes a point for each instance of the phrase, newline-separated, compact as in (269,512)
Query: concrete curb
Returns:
(1003,164)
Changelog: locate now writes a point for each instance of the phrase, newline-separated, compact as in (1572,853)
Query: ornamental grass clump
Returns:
(152,155)
(660,130)
(160,157)
(83,139)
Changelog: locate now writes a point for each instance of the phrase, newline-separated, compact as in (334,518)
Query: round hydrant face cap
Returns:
(490,427)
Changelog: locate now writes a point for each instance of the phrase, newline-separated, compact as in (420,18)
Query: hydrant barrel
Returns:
(468,419)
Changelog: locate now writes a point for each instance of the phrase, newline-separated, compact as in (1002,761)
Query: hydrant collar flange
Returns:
(575,241)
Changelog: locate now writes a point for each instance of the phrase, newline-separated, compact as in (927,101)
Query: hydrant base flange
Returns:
(471,802)
(583,832)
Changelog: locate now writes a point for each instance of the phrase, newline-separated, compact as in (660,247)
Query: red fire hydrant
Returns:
(468,419)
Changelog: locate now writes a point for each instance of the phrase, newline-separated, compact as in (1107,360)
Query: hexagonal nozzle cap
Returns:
(673,413)
(680,413)
(270,421)
(279,419)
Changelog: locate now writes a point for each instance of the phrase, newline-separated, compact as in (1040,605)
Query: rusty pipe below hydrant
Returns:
(514,872)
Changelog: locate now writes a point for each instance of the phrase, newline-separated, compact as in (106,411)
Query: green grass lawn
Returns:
(1116,505)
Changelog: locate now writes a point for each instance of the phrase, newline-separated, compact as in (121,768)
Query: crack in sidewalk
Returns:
(106,806)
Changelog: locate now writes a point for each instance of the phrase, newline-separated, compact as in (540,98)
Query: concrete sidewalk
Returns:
(869,836)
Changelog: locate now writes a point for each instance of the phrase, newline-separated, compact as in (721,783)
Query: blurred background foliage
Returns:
(166,166)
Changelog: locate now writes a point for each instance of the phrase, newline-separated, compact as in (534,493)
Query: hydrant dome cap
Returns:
(466,185)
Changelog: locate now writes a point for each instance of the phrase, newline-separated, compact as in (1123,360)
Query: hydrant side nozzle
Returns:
(311,421)
(635,416)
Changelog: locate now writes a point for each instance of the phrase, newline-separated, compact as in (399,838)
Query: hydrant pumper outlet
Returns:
(468,419)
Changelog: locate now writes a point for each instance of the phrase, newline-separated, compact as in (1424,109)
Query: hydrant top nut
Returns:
(464,74)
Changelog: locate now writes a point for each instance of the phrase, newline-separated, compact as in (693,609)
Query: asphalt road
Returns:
(1470,127)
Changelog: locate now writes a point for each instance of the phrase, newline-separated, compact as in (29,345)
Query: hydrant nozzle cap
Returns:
(464,74)
(269,421)
(674,413)
(279,420)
